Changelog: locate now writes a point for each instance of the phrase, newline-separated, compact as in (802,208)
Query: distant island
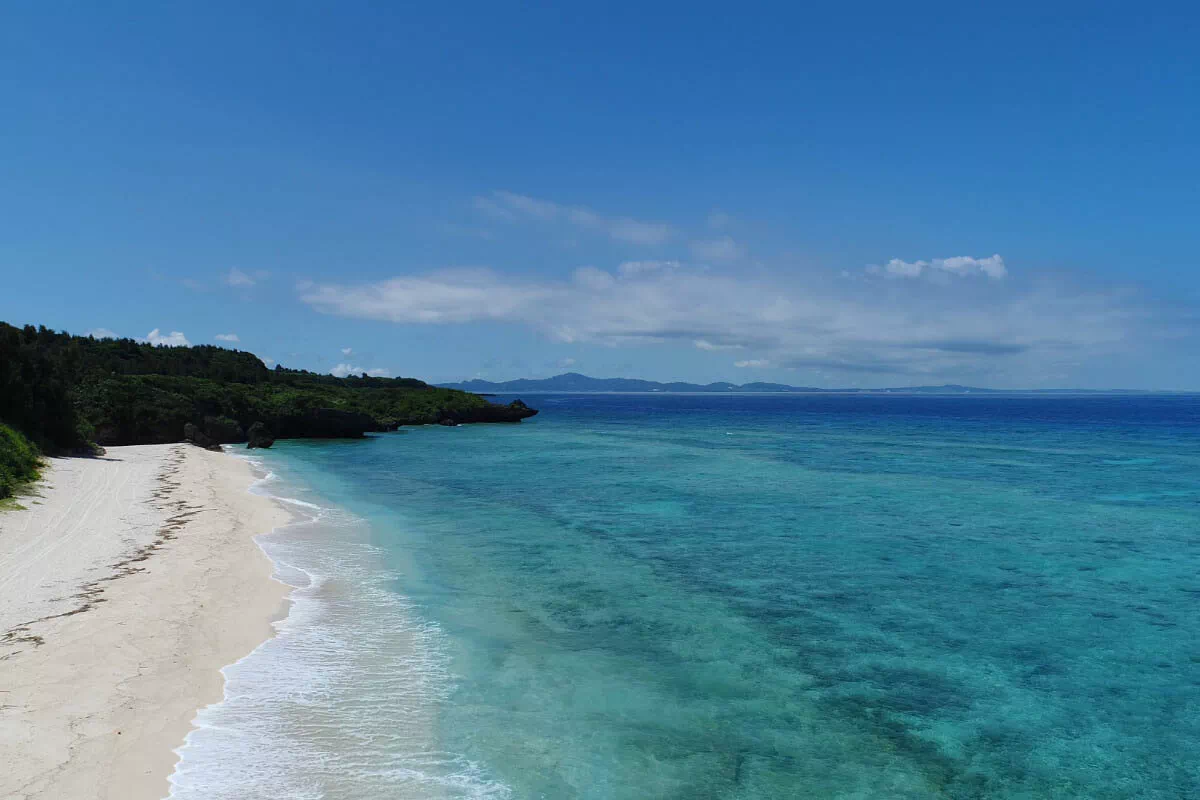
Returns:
(571,382)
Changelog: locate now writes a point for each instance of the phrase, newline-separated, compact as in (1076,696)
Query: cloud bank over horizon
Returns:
(693,298)
(958,319)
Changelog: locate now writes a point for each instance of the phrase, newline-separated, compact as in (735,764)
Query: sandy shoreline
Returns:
(124,588)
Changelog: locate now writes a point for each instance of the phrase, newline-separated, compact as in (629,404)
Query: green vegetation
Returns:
(64,392)
(19,462)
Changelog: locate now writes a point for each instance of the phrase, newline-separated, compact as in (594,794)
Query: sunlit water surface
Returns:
(732,597)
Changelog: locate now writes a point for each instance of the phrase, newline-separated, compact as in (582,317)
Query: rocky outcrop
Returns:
(223,430)
(259,436)
(195,436)
(513,412)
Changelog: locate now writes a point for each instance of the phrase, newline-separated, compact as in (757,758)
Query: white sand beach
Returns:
(125,585)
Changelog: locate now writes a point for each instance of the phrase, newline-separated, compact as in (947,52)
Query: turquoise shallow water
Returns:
(734,597)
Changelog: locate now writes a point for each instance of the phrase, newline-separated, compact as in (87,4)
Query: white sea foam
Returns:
(297,502)
(342,703)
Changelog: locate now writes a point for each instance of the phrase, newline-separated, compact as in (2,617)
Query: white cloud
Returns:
(722,249)
(347,351)
(227,337)
(343,370)
(173,339)
(752,363)
(102,333)
(563,363)
(511,207)
(992,266)
(812,321)
(270,362)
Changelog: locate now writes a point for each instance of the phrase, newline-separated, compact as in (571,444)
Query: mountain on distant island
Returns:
(574,382)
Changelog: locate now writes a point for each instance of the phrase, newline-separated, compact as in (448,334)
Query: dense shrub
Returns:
(19,461)
(63,391)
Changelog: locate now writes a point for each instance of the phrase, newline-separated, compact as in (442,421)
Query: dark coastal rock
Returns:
(336,424)
(449,421)
(195,436)
(513,412)
(223,430)
(324,423)
(259,436)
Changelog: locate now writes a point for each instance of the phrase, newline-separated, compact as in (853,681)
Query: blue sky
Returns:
(887,194)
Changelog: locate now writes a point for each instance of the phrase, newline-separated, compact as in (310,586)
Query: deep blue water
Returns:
(752,596)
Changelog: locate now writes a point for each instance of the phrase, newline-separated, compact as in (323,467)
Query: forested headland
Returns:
(67,393)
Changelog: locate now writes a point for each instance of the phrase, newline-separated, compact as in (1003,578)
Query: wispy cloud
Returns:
(512,207)
(347,351)
(705,344)
(102,333)
(752,363)
(236,277)
(227,337)
(244,280)
(449,296)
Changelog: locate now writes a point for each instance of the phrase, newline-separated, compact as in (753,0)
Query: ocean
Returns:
(731,596)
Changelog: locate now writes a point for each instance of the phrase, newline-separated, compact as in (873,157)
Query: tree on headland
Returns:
(64,392)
